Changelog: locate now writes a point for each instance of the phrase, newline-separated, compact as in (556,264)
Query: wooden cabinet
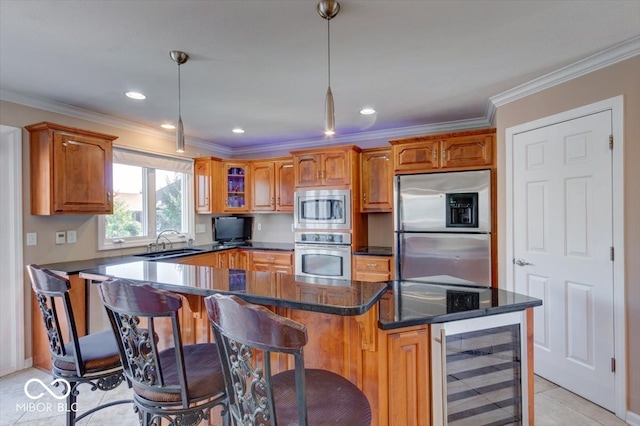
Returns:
(372,268)
(408,377)
(271,261)
(235,190)
(71,170)
(325,167)
(204,170)
(226,259)
(452,151)
(272,185)
(376,169)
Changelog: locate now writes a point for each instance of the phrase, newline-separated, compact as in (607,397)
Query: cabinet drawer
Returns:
(373,264)
(272,257)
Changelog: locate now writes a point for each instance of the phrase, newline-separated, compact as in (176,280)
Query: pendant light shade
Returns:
(179,58)
(328,9)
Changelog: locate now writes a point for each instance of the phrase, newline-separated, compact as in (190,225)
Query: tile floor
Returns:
(555,406)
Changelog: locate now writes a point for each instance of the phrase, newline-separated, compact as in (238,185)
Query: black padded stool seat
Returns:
(202,365)
(324,389)
(99,352)
(248,334)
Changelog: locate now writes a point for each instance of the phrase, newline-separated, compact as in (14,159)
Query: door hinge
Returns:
(610,141)
(613,365)
(611,253)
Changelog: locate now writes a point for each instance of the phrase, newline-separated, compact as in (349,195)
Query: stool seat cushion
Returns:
(204,374)
(331,399)
(99,353)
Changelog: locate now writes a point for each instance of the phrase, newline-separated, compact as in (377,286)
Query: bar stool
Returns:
(91,359)
(294,397)
(180,384)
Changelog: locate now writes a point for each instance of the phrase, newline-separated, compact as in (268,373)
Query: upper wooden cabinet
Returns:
(376,169)
(204,170)
(459,151)
(325,167)
(71,170)
(236,189)
(272,185)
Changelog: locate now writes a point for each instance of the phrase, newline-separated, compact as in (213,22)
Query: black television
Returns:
(231,229)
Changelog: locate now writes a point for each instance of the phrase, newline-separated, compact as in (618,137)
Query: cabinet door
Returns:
(467,151)
(416,156)
(377,181)
(236,187)
(262,186)
(336,168)
(82,174)
(408,369)
(284,186)
(202,171)
(307,170)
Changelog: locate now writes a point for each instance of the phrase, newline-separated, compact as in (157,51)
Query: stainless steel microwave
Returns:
(322,209)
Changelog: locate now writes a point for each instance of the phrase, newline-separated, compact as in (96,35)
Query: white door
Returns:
(562,239)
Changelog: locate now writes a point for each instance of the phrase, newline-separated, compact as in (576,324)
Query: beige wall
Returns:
(619,79)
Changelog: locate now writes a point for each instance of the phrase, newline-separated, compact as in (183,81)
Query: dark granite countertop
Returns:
(415,303)
(77,266)
(374,251)
(339,297)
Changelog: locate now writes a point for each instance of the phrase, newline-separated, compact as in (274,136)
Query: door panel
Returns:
(562,209)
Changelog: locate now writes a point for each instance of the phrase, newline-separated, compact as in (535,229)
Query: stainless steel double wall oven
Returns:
(322,219)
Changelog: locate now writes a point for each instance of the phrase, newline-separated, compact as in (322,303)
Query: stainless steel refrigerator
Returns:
(442,224)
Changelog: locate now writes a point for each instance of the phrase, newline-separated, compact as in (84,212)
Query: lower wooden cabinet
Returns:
(372,268)
(227,259)
(271,261)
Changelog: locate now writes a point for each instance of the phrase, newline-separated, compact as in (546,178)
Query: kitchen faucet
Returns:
(161,234)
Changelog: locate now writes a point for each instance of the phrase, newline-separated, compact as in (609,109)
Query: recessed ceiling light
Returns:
(238,130)
(135,95)
(367,111)
(168,126)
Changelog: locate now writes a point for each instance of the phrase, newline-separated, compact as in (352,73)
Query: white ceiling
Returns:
(262,64)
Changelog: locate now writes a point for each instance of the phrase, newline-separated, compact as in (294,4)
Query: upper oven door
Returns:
(323,209)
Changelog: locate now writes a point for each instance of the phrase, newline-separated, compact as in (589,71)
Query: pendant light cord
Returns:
(329,50)
(179,100)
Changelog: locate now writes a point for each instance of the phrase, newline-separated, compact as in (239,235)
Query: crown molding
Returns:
(617,53)
(104,119)
(386,134)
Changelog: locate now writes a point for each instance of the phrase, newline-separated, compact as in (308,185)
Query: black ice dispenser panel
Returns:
(462,210)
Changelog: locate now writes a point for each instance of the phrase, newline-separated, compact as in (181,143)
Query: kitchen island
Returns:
(401,342)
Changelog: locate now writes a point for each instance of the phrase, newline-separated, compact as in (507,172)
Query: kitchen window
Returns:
(151,194)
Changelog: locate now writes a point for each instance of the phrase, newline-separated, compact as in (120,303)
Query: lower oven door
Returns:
(323,261)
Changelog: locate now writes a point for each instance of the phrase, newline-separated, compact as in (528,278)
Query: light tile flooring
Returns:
(554,405)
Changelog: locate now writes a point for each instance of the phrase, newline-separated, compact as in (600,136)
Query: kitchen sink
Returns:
(168,253)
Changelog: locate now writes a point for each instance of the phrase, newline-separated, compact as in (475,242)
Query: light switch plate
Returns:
(259,226)
(32,239)
(71,237)
(60,237)
(200,229)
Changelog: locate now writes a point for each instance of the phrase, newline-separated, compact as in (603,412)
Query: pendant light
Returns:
(179,58)
(328,9)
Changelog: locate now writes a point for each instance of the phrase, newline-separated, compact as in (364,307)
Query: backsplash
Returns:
(274,228)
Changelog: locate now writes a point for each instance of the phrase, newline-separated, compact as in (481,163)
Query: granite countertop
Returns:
(374,251)
(339,297)
(77,266)
(414,303)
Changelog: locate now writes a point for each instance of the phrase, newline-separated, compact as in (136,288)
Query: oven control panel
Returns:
(323,237)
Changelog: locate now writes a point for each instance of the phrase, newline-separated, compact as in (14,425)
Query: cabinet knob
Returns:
(435,155)
(444,153)
(372,265)
(271,201)
(108,197)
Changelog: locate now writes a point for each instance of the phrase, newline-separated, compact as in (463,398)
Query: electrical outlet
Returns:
(200,229)
(259,226)
(32,239)
(72,237)
(60,237)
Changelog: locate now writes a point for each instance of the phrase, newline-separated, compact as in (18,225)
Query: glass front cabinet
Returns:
(236,187)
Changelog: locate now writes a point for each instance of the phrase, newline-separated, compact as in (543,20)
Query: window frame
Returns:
(149,163)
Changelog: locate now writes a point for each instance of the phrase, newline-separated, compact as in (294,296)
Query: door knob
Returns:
(521,262)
